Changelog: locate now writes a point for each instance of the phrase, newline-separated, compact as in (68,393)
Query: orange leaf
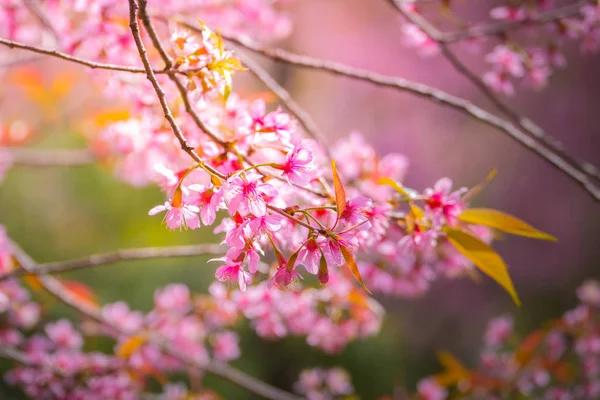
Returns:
(454,372)
(81,291)
(349,258)
(530,344)
(33,281)
(129,346)
(340,193)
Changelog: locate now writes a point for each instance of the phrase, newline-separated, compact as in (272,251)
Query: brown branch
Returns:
(499,28)
(523,122)
(64,56)
(421,90)
(57,289)
(49,158)
(135,31)
(117,256)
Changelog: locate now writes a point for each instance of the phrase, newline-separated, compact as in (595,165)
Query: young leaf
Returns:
(394,185)
(484,258)
(503,222)
(349,258)
(340,193)
(129,346)
(81,291)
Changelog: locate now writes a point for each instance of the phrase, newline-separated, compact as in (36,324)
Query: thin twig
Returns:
(505,26)
(135,31)
(64,56)
(57,289)
(95,260)
(424,91)
(523,122)
(49,158)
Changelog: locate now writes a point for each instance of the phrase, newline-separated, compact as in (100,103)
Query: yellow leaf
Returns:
(503,222)
(110,116)
(349,258)
(416,211)
(484,258)
(129,346)
(394,185)
(340,193)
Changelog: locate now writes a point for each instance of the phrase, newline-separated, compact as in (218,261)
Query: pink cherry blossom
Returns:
(298,167)
(178,216)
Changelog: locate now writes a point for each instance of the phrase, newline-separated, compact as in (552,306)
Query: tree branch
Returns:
(421,90)
(505,26)
(57,289)
(95,260)
(64,56)
(524,123)
(49,158)
(135,31)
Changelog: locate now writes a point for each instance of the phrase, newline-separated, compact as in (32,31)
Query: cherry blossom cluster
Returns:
(16,305)
(324,384)
(98,29)
(559,361)
(59,367)
(528,50)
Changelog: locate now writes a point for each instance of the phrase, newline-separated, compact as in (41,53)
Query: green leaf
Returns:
(503,222)
(349,258)
(484,258)
(340,193)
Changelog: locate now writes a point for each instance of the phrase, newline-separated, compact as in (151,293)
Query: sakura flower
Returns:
(357,210)
(178,214)
(498,331)
(284,278)
(64,335)
(298,167)
(173,297)
(506,60)
(226,346)
(429,389)
(440,202)
(499,82)
(415,37)
(310,256)
(208,208)
(247,194)
(233,272)
(508,13)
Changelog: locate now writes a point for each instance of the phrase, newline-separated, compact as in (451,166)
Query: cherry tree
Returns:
(309,232)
